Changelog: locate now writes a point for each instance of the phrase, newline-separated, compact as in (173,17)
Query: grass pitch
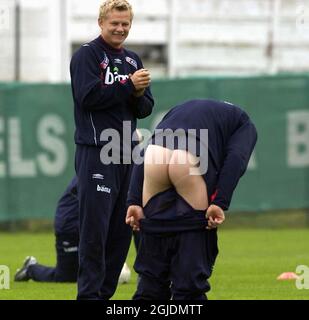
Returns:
(248,264)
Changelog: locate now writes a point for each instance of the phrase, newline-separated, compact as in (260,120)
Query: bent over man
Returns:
(178,195)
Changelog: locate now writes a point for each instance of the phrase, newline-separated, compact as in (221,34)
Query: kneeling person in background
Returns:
(67,238)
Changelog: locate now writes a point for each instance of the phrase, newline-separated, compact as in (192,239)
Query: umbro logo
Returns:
(98,176)
(71,249)
(117,61)
(103,189)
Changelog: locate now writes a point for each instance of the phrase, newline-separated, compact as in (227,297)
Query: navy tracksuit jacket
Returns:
(175,247)
(103,99)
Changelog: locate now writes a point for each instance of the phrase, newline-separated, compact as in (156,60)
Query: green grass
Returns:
(248,264)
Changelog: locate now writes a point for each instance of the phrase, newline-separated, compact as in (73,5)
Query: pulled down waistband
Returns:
(173,226)
(167,211)
(169,205)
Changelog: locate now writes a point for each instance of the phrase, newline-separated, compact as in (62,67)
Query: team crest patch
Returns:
(132,62)
(104,63)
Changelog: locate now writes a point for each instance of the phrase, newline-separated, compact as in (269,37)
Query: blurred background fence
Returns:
(253,53)
(37,148)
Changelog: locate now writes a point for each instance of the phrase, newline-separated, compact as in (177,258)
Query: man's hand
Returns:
(215,216)
(141,80)
(134,215)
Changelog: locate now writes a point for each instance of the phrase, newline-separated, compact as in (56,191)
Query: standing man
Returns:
(110,90)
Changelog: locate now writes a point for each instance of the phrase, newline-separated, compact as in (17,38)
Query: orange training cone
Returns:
(288,276)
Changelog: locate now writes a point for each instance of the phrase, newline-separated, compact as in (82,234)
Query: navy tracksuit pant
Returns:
(67,262)
(104,236)
(174,266)
(176,252)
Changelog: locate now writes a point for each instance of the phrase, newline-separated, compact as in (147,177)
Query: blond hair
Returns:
(109,5)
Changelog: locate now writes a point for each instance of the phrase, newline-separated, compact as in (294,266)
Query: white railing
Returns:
(201,36)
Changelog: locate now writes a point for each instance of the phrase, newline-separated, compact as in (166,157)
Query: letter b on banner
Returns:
(4,277)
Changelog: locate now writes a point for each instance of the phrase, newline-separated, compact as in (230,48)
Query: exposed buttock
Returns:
(172,175)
